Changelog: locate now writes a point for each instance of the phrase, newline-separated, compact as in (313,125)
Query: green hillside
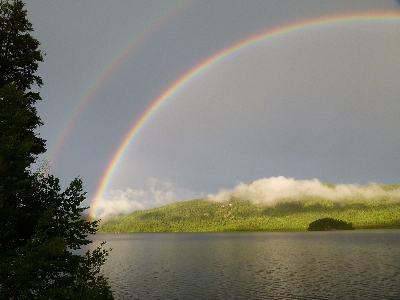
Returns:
(200,215)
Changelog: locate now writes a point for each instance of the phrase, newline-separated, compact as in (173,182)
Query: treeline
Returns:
(200,215)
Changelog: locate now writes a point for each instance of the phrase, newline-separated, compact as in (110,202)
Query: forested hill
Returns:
(201,215)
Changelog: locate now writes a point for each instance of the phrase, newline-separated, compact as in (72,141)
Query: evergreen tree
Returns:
(19,53)
(40,225)
(19,147)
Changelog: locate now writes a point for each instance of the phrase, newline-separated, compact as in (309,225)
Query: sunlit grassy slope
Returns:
(200,215)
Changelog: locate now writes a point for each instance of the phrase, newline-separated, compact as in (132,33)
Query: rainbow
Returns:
(105,74)
(167,94)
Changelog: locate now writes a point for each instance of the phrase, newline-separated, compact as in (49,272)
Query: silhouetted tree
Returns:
(19,53)
(40,225)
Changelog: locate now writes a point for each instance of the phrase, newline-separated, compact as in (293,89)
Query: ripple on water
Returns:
(262,265)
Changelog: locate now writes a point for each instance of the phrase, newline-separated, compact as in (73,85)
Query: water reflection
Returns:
(255,265)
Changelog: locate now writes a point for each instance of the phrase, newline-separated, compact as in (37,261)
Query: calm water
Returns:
(255,265)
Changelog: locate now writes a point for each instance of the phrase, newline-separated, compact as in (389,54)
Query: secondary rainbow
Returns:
(325,20)
(106,73)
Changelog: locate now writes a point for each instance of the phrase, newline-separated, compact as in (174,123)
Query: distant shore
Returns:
(200,215)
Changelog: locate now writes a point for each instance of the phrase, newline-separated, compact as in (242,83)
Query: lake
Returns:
(361,264)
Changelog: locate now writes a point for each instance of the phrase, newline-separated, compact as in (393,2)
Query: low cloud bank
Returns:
(262,191)
(271,190)
(156,194)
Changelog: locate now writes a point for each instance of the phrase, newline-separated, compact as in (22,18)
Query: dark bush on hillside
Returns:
(329,224)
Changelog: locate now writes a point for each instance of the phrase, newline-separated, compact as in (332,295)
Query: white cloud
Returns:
(156,194)
(273,189)
(262,191)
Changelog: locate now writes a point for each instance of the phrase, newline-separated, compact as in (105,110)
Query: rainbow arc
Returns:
(169,92)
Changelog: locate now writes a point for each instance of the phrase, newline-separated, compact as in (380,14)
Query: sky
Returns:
(318,102)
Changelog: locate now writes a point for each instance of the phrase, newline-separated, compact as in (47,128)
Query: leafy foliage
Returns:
(45,267)
(200,215)
(40,225)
